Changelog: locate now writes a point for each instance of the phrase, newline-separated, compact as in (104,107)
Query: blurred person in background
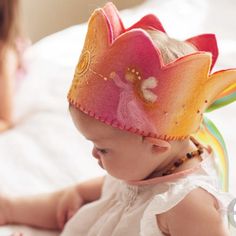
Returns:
(12,46)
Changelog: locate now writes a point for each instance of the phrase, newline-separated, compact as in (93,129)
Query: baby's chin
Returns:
(100,164)
(123,177)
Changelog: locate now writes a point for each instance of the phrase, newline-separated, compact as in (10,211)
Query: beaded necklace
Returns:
(188,156)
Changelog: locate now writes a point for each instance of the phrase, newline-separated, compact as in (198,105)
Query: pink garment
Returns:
(22,45)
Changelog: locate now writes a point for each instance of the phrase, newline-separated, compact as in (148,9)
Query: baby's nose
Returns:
(95,153)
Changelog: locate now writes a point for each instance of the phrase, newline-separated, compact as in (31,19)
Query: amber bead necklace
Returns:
(188,156)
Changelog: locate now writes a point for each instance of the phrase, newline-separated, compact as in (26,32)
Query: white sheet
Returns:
(44,152)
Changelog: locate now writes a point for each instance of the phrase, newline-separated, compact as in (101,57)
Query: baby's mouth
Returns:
(100,163)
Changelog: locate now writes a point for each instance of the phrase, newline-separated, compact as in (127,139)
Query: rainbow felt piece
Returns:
(121,79)
(208,134)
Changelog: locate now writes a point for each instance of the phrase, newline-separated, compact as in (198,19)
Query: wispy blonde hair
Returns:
(170,48)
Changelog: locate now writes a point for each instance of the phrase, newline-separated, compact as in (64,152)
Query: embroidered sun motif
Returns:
(83,64)
(147,84)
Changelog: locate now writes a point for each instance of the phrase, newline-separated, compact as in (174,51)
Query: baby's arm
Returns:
(196,215)
(48,210)
(4,125)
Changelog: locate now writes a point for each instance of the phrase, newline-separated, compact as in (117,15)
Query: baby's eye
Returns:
(103,151)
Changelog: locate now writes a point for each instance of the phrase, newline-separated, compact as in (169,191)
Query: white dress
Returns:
(130,209)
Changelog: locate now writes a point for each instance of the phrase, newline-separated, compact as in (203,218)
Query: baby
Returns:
(139,96)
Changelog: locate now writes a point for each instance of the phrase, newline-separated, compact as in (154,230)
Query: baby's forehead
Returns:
(110,134)
(96,130)
(103,133)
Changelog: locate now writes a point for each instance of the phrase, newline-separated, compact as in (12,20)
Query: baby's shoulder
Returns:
(200,196)
(197,212)
(197,201)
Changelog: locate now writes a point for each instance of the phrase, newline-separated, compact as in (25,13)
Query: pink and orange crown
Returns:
(122,81)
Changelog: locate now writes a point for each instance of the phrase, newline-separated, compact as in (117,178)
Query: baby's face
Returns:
(122,154)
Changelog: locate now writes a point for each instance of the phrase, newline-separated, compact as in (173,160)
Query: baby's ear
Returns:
(158,145)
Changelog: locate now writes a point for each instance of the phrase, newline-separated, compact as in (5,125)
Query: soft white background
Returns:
(41,18)
(44,152)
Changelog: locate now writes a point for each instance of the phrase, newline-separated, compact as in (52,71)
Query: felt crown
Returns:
(122,81)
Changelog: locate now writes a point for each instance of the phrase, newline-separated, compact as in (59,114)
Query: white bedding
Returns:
(44,151)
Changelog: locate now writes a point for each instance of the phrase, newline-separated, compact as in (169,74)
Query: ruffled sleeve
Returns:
(175,194)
